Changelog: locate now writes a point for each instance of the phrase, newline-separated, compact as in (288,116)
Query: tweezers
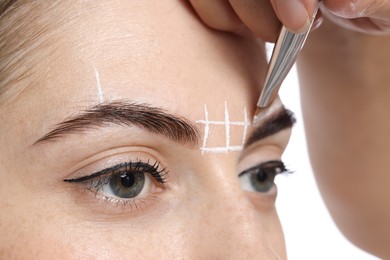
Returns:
(284,55)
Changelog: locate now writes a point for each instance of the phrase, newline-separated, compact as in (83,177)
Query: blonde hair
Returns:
(24,43)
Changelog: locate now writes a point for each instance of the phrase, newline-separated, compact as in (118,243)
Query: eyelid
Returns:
(278,140)
(110,156)
(112,170)
(258,153)
(103,172)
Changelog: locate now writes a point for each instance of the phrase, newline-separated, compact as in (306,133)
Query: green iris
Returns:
(127,184)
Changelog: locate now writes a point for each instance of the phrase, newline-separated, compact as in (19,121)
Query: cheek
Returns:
(274,234)
(33,232)
(27,233)
(35,227)
(31,225)
(270,222)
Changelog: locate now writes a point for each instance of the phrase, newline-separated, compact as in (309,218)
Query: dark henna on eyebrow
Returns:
(283,119)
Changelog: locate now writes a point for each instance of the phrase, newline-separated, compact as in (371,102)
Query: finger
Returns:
(217,14)
(359,24)
(296,15)
(371,17)
(354,9)
(317,21)
(259,17)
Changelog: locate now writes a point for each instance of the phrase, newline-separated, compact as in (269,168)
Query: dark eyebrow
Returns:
(150,118)
(279,121)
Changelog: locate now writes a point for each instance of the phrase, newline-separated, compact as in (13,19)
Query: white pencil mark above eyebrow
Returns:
(99,85)
(236,148)
(206,128)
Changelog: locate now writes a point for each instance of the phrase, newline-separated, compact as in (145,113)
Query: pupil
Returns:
(128,184)
(127,180)
(262,176)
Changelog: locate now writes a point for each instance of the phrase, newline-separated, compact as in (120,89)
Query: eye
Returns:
(128,184)
(260,178)
(125,181)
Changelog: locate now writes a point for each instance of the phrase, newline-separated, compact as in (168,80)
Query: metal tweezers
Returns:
(283,57)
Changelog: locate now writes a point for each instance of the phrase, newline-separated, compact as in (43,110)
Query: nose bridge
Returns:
(231,228)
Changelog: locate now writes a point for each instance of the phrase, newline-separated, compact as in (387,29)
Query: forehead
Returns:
(108,50)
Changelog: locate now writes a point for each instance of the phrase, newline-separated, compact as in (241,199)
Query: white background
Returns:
(309,230)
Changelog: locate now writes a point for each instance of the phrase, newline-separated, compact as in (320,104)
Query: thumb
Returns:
(296,15)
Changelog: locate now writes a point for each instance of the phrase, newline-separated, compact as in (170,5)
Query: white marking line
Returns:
(220,122)
(206,129)
(99,85)
(222,149)
(227,123)
(227,127)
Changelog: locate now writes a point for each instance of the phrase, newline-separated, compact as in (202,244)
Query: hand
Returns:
(367,16)
(264,17)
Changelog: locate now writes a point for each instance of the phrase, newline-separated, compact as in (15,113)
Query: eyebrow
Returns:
(279,121)
(145,116)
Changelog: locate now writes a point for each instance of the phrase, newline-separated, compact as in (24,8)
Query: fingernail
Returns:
(305,26)
(293,15)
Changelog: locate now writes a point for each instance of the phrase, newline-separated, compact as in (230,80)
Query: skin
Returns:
(354,177)
(202,212)
(344,79)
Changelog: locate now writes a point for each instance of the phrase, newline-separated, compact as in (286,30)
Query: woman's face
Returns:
(121,135)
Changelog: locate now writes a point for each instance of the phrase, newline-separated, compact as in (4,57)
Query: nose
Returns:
(233,226)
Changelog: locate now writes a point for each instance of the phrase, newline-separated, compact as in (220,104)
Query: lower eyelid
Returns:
(264,200)
(90,200)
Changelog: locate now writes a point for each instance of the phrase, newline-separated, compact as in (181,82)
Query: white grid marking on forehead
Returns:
(227,123)
(206,128)
(99,86)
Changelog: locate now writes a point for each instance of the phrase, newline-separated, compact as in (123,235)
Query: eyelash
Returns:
(96,182)
(251,180)
(263,173)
